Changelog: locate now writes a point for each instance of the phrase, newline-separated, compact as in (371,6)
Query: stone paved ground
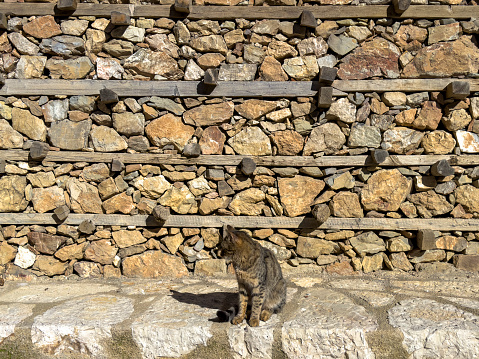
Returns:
(385,315)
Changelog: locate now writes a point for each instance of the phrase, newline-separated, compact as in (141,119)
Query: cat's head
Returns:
(232,241)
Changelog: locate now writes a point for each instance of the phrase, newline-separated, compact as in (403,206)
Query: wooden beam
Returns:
(234,160)
(191,221)
(131,88)
(250,12)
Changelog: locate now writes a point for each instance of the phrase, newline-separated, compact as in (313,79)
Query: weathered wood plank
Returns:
(249,12)
(31,87)
(233,160)
(191,221)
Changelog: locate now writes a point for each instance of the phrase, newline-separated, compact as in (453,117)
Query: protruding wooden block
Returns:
(108,96)
(67,5)
(307,19)
(117,165)
(401,5)
(86,227)
(442,168)
(3,21)
(62,212)
(247,166)
(120,18)
(211,77)
(299,31)
(426,239)
(379,156)
(321,212)
(327,75)
(161,213)
(458,90)
(39,150)
(325,96)
(2,80)
(183,6)
(2,166)
(192,150)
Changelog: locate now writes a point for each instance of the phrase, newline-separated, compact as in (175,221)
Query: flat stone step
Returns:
(385,315)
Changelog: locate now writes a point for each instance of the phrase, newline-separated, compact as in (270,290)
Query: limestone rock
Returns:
(310,247)
(160,42)
(87,269)
(152,187)
(70,69)
(106,139)
(210,267)
(385,191)
(209,115)
(9,138)
(181,200)
(49,265)
(447,32)
(341,45)
(55,110)
(69,135)
(31,126)
(153,264)
(212,141)
(119,48)
(128,123)
(121,203)
(83,196)
(372,263)
(29,67)
(124,238)
(303,68)
(22,44)
(24,258)
(154,63)
(456,120)
(367,243)
(288,142)
(169,129)
(346,205)
(251,141)
(107,69)
(74,27)
(377,57)
(298,193)
(248,202)
(47,199)
(7,253)
(342,110)
(253,109)
(401,140)
(434,203)
(42,27)
(446,59)
(468,142)
(65,46)
(468,197)
(237,72)
(271,70)
(438,142)
(364,136)
(328,138)
(101,251)
(281,50)
(12,193)
(129,33)
(74,251)
(429,116)
(210,43)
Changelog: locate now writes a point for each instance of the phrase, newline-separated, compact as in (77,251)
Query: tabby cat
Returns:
(259,277)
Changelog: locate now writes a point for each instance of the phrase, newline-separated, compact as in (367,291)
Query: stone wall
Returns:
(268,50)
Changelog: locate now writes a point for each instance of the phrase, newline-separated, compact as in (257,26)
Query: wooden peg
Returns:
(211,77)
(183,6)
(39,150)
(108,96)
(379,156)
(327,75)
(67,5)
(458,90)
(62,212)
(3,21)
(325,96)
(307,19)
(161,213)
(442,168)
(401,5)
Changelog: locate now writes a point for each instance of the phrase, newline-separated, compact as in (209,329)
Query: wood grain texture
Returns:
(248,12)
(253,89)
(191,221)
(234,160)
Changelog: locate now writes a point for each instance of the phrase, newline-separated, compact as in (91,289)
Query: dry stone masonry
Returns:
(403,123)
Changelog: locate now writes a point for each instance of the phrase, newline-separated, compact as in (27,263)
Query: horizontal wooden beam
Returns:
(191,221)
(131,88)
(234,160)
(248,12)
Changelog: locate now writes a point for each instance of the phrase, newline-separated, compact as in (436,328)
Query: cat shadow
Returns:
(224,302)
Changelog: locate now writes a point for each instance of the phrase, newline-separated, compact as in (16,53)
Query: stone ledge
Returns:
(325,316)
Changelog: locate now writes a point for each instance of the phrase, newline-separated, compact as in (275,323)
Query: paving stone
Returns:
(86,321)
(313,333)
(11,316)
(425,325)
(252,342)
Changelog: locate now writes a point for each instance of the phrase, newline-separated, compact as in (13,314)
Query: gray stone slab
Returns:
(328,325)
(83,323)
(436,330)
(11,316)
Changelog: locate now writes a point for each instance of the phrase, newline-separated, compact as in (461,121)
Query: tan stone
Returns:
(468,197)
(438,142)
(210,267)
(289,142)
(310,247)
(7,253)
(169,129)
(451,243)
(328,138)
(173,242)
(406,118)
(251,141)
(372,263)
(211,237)
(42,27)
(180,200)
(209,115)
(83,196)
(50,266)
(45,243)
(101,251)
(399,260)
(152,187)
(47,199)
(12,193)
(124,238)
(248,202)
(9,138)
(254,109)
(74,251)
(271,70)
(341,268)
(153,264)
(31,126)
(346,205)
(429,116)
(434,203)
(298,193)
(385,191)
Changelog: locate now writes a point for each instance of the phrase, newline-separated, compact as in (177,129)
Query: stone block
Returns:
(67,5)
(117,165)
(458,90)
(39,150)
(247,166)
(192,150)
(108,96)
(325,97)
(211,77)
(466,262)
(426,239)
(442,168)
(161,213)
(379,156)
(86,227)
(62,212)
(307,19)
(401,5)
(321,212)
(3,21)
(327,75)
(183,6)
(2,166)
(120,18)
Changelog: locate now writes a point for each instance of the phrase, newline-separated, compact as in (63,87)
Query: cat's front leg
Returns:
(257,301)
(243,303)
